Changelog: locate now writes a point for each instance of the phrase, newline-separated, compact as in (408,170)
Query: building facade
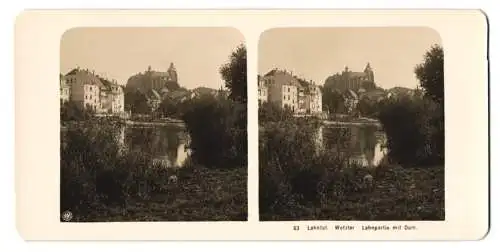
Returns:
(282,89)
(262,90)
(351,101)
(88,90)
(64,89)
(316,101)
(285,89)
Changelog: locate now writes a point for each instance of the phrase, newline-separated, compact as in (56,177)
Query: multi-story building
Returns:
(85,88)
(316,101)
(351,101)
(310,99)
(282,89)
(287,90)
(262,89)
(64,89)
(90,91)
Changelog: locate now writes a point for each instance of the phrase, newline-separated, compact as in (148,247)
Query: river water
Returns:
(364,145)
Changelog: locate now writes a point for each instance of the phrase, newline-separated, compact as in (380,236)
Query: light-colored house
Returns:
(310,98)
(287,90)
(351,100)
(316,105)
(263,91)
(85,88)
(88,90)
(64,89)
(282,89)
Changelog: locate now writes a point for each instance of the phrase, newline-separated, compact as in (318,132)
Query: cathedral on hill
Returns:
(349,80)
(149,80)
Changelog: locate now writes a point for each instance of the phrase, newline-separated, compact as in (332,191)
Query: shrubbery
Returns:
(295,172)
(95,169)
(218,132)
(415,125)
(415,131)
(70,111)
(270,112)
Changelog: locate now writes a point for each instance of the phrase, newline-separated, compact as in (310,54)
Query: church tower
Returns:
(172,73)
(369,72)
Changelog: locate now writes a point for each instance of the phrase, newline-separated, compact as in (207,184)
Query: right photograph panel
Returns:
(351,124)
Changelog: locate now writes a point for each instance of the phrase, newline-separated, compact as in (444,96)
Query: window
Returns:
(288,89)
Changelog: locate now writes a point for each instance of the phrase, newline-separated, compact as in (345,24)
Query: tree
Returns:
(136,102)
(430,74)
(332,100)
(234,74)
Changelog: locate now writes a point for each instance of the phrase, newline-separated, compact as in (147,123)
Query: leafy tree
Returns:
(168,107)
(430,74)
(70,111)
(136,102)
(333,101)
(270,112)
(234,74)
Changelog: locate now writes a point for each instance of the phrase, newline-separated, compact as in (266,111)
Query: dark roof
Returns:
(270,73)
(73,71)
(155,94)
(357,74)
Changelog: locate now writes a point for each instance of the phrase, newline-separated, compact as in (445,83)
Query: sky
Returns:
(316,53)
(118,53)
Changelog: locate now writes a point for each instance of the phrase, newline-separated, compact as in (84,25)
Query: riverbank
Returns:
(201,194)
(157,123)
(398,194)
(357,121)
(164,122)
(341,123)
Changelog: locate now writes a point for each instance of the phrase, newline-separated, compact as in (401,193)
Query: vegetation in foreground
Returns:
(101,181)
(298,181)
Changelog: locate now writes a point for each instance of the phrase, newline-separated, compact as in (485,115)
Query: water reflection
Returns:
(164,143)
(363,145)
(167,144)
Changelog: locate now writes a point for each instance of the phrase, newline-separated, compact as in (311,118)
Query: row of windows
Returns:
(269,81)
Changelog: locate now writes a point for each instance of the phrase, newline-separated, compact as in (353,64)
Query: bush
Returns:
(270,112)
(96,170)
(294,170)
(218,132)
(415,130)
(70,111)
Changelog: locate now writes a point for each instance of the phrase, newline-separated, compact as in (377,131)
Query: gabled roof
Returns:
(351,93)
(271,73)
(73,71)
(155,94)
(356,74)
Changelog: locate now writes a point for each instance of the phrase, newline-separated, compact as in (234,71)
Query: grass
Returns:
(397,194)
(200,195)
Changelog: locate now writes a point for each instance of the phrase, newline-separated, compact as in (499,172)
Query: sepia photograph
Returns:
(351,124)
(153,124)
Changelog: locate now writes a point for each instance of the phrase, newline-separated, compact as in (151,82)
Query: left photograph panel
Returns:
(153,125)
